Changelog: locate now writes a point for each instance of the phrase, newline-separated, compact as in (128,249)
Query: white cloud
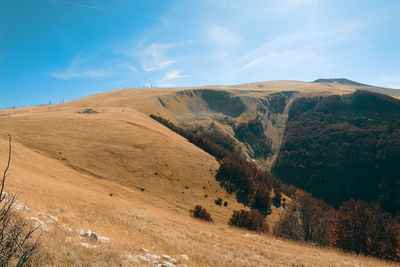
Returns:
(77,70)
(129,66)
(297,48)
(154,57)
(70,73)
(223,36)
(169,79)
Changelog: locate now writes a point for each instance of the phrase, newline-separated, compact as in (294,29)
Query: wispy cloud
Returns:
(295,48)
(77,4)
(223,36)
(169,79)
(154,57)
(68,74)
(75,70)
(129,66)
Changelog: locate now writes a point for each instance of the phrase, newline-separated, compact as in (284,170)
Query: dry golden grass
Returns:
(133,219)
(67,164)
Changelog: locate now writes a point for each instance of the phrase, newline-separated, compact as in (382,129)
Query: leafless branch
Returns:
(8,166)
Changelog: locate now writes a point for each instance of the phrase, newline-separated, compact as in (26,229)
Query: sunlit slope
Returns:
(133,219)
(123,146)
(224,108)
(128,178)
(209,108)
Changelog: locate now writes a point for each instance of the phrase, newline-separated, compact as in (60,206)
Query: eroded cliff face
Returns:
(253,120)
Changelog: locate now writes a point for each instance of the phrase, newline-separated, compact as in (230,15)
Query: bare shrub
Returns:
(200,213)
(88,111)
(253,220)
(17,243)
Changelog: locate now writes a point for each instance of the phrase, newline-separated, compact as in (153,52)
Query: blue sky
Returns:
(67,49)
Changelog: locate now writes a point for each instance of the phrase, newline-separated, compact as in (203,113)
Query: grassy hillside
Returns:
(134,220)
(100,163)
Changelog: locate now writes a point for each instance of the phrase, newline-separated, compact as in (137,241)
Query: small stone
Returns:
(165,264)
(66,227)
(144,250)
(104,239)
(54,218)
(86,245)
(93,236)
(144,259)
(185,257)
(166,257)
(155,257)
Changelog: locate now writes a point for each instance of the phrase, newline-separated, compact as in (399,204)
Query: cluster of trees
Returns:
(203,142)
(357,226)
(201,213)
(220,138)
(250,220)
(342,147)
(306,219)
(251,185)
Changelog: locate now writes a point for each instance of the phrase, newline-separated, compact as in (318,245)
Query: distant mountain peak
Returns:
(343,81)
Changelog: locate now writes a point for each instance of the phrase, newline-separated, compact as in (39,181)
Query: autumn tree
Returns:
(251,220)
(364,228)
(306,219)
(277,197)
(201,213)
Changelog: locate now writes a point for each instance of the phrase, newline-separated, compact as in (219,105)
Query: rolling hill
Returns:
(101,163)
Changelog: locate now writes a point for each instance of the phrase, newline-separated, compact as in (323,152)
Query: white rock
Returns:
(104,239)
(54,218)
(86,245)
(93,236)
(185,257)
(166,257)
(87,233)
(144,259)
(155,257)
(18,206)
(165,264)
(80,231)
(144,250)
(66,227)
